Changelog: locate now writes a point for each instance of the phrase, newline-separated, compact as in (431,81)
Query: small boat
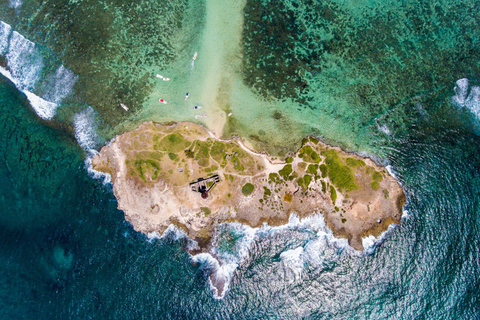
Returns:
(162,101)
(194,56)
(230,114)
(196,107)
(200,116)
(186,96)
(162,77)
(124,106)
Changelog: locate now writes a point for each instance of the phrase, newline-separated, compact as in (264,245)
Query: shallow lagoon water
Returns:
(383,84)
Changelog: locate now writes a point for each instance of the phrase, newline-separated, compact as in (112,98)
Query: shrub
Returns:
(333,193)
(247,189)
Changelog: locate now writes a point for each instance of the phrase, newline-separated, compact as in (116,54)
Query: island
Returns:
(182,174)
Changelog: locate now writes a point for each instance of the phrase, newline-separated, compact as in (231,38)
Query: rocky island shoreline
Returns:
(158,169)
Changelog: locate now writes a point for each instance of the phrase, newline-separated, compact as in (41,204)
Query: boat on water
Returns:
(194,56)
(200,116)
(162,101)
(124,106)
(162,77)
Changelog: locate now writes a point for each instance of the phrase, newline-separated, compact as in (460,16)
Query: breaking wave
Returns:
(464,98)
(24,66)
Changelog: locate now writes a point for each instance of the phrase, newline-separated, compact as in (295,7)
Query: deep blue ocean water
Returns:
(66,252)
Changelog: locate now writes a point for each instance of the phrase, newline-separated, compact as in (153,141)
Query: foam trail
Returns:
(5,31)
(471,100)
(63,82)
(25,64)
(370,243)
(15,4)
(319,253)
(24,61)
(85,128)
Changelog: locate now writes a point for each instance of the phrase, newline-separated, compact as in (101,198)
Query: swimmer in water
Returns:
(196,107)
(186,96)
(162,101)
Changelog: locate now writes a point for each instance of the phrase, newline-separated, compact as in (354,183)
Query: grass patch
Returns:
(309,155)
(340,175)
(172,156)
(333,193)
(217,151)
(267,191)
(285,172)
(287,197)
(323,169)
(206,211)
(375,185)
(312,169)
(306,180)
(174,142)
(324,186)
(386,193)
(377,176)
(352,162)
(247,189)
(344,220)
(144,167)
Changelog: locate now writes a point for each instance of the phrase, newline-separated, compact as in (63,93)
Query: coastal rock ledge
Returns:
(153,168)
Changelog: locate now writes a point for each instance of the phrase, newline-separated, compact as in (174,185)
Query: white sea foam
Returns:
(370,243)
(5,31)
(63,81)
(85,128)
(293,261)
(45,109)
(25,64)
(317,253)
(15,4)
(463,98)
(24,61)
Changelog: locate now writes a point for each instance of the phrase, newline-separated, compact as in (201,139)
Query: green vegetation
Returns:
(323,169)
(206,211)
(144,167)
(324,186)
(247,189)
(340,175)
(289,160)
(376,177)
(174,143)
(314,140)
(312,169)
(172,156)
(189,154)
(309,155)
(385,193)
(267,191)
(287,197)
(285,172)
(344,220)
(352,162)
(333,194)
(306,180)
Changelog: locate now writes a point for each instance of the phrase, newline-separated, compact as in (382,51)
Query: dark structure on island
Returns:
(204,185)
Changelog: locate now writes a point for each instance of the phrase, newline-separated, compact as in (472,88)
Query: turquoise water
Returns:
(382,81)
